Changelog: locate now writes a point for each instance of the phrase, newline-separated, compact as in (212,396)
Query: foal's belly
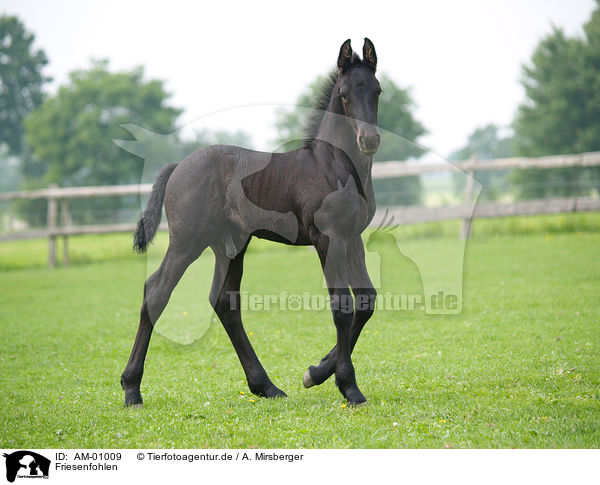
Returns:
(302,239)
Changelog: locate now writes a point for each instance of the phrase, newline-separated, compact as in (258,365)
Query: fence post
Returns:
(66,221)
(51,223)
(466,223)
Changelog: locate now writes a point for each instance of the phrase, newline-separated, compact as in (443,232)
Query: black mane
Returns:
(319,106)
(321,102)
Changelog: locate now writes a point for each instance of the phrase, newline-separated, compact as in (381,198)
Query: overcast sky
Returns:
(461,59)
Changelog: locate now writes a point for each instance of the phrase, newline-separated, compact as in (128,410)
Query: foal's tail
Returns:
(148,223)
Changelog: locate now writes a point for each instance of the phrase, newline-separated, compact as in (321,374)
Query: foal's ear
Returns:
(369,56)
(345,56)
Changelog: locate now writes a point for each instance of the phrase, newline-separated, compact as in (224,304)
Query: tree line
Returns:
(560,115)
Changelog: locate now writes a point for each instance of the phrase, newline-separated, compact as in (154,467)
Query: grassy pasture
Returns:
(519,367)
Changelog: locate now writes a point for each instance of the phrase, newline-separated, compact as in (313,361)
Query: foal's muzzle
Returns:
(368,140)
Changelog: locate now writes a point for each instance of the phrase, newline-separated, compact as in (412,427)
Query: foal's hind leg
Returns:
(157,291)
(365,295)
(224,297)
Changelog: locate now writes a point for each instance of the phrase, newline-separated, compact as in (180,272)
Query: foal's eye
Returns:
(344,96)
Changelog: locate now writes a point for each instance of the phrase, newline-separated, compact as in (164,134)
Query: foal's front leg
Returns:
(332,252)
(365,295)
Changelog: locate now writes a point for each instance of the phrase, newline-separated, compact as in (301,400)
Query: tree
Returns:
(561,113)
(71,135)
(72,131)
(21,80)
(400,131)
(487,144)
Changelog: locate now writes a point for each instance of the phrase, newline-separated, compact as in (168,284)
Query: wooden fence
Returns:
(402,215)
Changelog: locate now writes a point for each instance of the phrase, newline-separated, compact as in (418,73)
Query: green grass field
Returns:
(518,368)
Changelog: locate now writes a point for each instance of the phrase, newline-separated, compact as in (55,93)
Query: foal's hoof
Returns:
(133,397)
(276,394)
(307,379)
(271,392)
(357,404)
(356,401)
(134,400)
(352,394)
(133,404)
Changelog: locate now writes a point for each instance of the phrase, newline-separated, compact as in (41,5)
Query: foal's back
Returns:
(228,187)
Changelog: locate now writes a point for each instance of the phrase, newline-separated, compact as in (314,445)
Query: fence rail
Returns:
(403,169)
(78,192)
(414,214)
(402,215)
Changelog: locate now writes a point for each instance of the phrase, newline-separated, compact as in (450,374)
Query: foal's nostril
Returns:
(369,142)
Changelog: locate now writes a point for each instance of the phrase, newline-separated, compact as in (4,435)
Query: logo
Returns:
(26,464)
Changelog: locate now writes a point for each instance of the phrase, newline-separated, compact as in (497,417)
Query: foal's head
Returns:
(358,90)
